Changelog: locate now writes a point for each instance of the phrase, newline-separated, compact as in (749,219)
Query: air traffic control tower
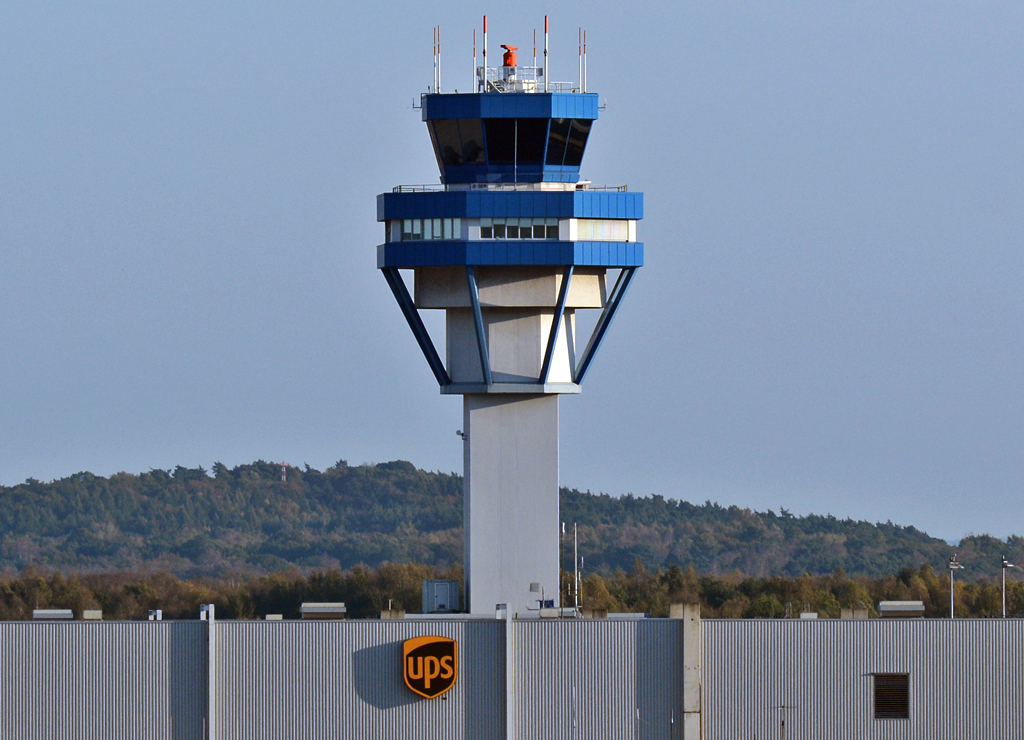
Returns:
(511,245)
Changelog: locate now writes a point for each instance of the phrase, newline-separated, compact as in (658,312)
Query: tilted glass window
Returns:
(556,140)
(501,140)
(471,133)
(531,136)
(449,147)
(458,141)
(578,133)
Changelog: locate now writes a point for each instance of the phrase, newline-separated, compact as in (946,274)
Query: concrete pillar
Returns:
(511,500)
(693,651)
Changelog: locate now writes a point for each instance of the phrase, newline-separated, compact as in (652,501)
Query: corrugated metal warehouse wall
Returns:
(966,678)
(106,680)
(599,678)
(343,679)
(569,679)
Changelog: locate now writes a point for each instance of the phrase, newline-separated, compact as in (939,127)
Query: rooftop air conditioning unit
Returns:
(323,610)
(52,614)
(900,609)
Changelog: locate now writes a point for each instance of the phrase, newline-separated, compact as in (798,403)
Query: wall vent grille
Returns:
(892,696)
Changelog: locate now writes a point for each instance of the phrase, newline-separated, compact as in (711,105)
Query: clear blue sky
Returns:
(831,316)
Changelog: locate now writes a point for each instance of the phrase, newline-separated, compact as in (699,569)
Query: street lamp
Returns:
(954,564)
(1006,564)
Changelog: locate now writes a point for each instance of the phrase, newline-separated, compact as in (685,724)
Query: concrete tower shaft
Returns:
(511,245)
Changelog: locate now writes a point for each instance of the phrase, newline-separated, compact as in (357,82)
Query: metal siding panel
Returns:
(965,677)
(598,678)
(103,679)
(344,680)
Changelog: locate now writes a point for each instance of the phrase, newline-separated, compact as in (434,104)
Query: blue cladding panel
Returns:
(510,105)
(468,204)
(500,252)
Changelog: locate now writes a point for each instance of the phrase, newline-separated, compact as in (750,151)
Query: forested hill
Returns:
(190,521)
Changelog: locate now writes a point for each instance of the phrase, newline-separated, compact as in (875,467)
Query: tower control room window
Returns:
(459,141)
(556,140)
(892,696)
(531,135)
(501,140)
(578,133)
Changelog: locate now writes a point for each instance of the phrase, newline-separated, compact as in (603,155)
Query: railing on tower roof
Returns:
(495,186)
(519,80)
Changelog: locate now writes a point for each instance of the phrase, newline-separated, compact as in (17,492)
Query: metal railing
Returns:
(500,186)
(518,79)
(418,188)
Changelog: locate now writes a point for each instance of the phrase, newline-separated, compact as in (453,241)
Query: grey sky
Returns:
(830,318)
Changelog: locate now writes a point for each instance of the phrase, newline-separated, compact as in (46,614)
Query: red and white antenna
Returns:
(584,60)
(579,48)
(485,53)
(474,62)
(437,59)
(284,472)
(545,53)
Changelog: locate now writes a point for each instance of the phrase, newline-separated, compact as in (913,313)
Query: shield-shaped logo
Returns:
(430,665)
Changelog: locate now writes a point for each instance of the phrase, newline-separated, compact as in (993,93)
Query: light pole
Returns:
(1006,564)
(954,564)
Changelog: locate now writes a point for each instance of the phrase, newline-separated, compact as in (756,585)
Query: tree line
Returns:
(193,522)
(129,595)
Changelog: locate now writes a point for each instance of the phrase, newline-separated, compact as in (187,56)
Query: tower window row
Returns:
(417,229)
(519,228)
(462,229)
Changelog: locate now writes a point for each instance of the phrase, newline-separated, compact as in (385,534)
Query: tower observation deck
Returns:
(510,244)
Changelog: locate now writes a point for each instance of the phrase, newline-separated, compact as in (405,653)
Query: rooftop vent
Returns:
(900,609)
(323,610)
(52,614)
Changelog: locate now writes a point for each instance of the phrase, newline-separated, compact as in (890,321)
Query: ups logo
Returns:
(430,665)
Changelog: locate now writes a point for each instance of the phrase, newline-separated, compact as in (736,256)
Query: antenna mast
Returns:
(576,567)
(584,59)
(545,53)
